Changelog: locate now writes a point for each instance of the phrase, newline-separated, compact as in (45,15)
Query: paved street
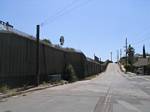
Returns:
(112,91)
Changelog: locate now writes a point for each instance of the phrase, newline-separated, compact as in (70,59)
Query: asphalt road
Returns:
(111,91)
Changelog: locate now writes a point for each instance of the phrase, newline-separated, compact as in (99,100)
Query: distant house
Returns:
(141,62)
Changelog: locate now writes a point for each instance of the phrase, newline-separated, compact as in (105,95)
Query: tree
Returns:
(144,53)
(47,41)
(144,56)
(130,52)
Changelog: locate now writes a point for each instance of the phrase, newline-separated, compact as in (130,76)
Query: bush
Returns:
(4,88)
(69,74)
(129,68)
(70,49)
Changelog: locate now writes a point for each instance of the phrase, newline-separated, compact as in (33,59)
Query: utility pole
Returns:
(126,46)
(37,54)
(100,64)
(111,56)
(120,53)
(117,55)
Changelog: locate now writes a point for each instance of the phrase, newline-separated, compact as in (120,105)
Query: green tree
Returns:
(69,74)
(144,53)
(130,52)
(47,41)
(144,56)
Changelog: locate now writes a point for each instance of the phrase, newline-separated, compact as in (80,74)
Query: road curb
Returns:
(27,91)
(131,74)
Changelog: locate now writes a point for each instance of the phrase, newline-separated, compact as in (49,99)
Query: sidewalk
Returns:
(134,75)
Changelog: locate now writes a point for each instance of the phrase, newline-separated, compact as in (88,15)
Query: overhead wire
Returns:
(137,42)
(64,11)
(59,11)
(143,32)
(141,41)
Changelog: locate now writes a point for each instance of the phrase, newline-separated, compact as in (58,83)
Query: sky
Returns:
(92,26)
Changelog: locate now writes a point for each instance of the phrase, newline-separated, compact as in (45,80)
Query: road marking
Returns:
(104,104)
(108,104)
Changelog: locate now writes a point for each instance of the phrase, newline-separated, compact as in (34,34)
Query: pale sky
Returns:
(93,26)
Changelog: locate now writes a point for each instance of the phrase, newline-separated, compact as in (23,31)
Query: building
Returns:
(142,66)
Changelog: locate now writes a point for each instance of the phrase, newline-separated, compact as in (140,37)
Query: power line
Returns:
(139,42)
(59,11)
(65,11)
(141,34)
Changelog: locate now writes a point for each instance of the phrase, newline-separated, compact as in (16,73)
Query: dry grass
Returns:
(90,77)
(4,89)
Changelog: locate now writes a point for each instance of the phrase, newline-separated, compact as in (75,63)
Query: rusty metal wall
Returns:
(18,59)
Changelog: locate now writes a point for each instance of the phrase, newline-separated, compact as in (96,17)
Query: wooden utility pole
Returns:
(37,54)
(117,55)
(126,51)
(100,65)
(111,56)
(120,53)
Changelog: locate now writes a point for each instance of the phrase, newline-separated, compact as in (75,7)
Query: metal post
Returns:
(37,54)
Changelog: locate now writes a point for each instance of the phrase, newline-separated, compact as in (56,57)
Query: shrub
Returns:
(4,88)
(69,74)
(129,68)
(70,49)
